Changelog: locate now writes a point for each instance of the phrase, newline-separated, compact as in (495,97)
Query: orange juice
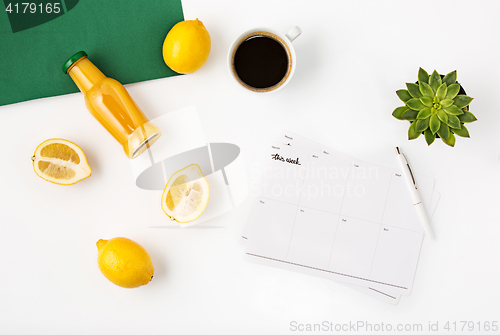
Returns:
(110,103)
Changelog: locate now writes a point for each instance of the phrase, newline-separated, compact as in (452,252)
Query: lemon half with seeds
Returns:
(186,194)
(61,162)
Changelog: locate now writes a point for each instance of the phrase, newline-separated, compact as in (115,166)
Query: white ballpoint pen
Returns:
(415,196)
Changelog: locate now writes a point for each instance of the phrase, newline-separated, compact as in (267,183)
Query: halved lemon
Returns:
(60,162)
(186,195)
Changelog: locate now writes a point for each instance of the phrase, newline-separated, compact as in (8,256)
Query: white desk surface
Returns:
(351,58)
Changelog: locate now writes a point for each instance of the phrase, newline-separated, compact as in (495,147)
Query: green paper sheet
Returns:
(123,38)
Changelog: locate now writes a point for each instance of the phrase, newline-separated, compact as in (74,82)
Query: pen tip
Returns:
(397,150)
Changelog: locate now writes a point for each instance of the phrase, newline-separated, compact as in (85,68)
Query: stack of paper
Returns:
(323,213)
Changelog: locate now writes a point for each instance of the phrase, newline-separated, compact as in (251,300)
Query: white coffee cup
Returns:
(286,42)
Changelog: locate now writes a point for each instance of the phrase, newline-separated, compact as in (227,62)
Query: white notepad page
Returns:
(292,139)
(385,296)
(359,214)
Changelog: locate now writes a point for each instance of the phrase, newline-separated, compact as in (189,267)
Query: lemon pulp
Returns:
(61,162)
(186,194)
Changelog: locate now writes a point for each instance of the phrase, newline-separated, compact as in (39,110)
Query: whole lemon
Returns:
(186,47)
(124,262)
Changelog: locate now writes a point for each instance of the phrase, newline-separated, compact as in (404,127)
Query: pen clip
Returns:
(411,172)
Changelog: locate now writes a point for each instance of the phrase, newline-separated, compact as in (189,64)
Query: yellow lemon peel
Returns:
(187,46)
(124,262)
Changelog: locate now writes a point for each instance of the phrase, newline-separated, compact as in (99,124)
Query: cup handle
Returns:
(293,33)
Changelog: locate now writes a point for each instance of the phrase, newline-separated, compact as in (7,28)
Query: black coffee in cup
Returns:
(261,61)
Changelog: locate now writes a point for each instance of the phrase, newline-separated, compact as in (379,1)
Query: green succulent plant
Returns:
(434,108)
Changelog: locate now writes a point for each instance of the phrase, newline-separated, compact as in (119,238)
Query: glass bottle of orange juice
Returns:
(112,106)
